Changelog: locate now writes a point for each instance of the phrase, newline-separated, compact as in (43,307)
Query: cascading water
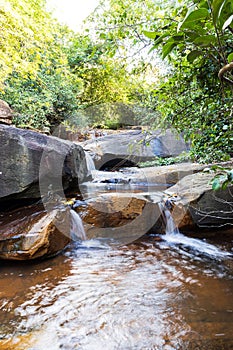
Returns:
(173,236)
(90,163)
(170,224)
(77,231)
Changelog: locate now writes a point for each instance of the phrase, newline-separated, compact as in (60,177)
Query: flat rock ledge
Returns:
(121,217)
(190,198)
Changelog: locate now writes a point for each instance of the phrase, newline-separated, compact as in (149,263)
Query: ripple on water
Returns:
(135,297)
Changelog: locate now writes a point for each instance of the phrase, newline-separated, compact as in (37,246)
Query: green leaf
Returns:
(225,184)
(192,17)
(217,8)
(167,48)
(230,57)
(150,35)
(216,184)
(204,4)
(205,40)
(160,39)
(227,22)
(217,167)
(193,55)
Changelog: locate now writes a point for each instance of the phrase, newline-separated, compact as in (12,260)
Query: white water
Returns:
(77,231)
(90,163)
(173,236)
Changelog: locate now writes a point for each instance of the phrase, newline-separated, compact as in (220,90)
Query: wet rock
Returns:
(6,113)
(129,148)
(123,217)
(199,205)
(31,233)
(31,161)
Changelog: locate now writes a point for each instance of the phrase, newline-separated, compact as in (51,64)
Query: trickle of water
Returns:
(170,224)
(77,231)
(174,236)
(90,163)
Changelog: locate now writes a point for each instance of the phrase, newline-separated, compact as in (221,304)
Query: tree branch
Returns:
(221,74)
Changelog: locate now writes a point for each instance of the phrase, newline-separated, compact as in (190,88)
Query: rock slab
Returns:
(198,205)
(128,148)
(32,233)
(122,217)
(31,161)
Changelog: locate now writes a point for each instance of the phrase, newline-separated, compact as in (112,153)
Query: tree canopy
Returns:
(160,63)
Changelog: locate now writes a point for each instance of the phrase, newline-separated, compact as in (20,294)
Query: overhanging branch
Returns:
(226,69)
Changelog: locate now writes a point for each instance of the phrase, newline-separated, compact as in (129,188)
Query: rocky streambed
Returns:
(54,177)
(135,282)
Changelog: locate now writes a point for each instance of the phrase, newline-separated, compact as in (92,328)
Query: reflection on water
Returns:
(147,295)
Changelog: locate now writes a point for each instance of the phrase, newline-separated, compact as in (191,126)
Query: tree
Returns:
(198,43)
(35,77)
(195,39)
(50,74)
(111,89)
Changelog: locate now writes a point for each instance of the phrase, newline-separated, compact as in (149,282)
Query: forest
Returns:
(160,64)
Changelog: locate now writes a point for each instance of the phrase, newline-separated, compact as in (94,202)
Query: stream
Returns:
(151,294)
(161,292)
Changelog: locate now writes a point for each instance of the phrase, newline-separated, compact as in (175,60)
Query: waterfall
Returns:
(170,224)
(170,227)
(173,236)
(90,163)
(77,231)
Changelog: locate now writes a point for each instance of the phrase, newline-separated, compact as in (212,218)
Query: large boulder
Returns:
(196,204)
(32,162)
(122,217)
(32,232)
(128,148)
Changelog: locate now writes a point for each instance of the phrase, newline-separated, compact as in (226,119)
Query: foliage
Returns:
(183,158)
(195,37)
(35,76)
(223,178)
(111,90)
(49,74)
(106,75)
(198,42)
(26,33)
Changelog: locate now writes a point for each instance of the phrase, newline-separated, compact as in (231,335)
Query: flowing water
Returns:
(173,236)
(77,231)
(150,294)
(90,163)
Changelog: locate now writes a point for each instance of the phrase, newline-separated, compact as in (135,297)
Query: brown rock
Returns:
(199,204)
(31,162)
(119,216)
(6,113)
(26,234)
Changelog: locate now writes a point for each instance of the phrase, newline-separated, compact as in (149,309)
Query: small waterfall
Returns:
(173,236)
(77,231)
(90,163)
(170,224)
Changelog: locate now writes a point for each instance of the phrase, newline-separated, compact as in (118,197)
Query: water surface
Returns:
(148,295)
